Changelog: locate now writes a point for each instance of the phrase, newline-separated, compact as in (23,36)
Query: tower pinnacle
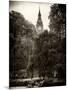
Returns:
(39,25)
(39,14)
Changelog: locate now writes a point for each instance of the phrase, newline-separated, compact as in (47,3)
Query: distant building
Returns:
(39,24)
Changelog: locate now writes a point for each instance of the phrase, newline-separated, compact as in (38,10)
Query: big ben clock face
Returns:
(39,28)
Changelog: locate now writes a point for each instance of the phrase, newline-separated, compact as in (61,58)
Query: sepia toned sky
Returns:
(30,11)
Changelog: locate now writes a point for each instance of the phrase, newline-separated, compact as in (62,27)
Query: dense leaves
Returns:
(22,35)
(58,19)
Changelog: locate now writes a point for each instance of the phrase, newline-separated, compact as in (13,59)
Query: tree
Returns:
(22,35)
(57,37)
(58,19)
(41,52)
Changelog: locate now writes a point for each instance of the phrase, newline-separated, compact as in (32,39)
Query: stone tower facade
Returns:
(39,25)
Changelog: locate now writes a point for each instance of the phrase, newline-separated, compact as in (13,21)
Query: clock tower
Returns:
(39,25)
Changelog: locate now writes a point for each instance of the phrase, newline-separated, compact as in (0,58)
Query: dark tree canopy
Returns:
(22,34)
(58,19)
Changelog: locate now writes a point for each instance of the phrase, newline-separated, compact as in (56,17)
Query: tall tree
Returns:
(57,37)
(22,35)
(58,19)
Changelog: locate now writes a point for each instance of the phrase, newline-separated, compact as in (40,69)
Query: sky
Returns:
(30,11)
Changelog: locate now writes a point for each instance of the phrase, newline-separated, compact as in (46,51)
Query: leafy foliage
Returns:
(22,34)
(58,19)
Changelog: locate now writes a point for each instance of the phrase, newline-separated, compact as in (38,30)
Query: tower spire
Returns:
(39,25)
(39,12)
